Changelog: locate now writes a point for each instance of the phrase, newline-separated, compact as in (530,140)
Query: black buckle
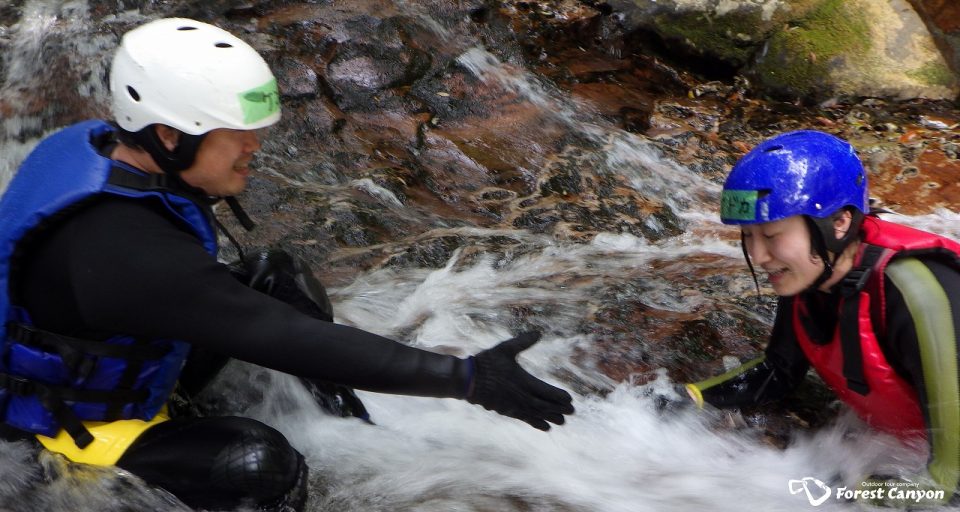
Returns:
(22,333)
(854,281)
(18,385)
(858,386)
(79,365)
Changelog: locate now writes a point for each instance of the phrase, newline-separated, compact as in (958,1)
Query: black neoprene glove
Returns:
(499,384)
(287,278)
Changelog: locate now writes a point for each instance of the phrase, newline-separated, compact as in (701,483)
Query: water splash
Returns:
(52,42)
(617,454)
(620,452)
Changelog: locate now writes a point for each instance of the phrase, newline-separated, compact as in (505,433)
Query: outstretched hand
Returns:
(500,384)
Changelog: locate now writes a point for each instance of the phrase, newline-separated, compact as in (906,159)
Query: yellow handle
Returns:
(695,394)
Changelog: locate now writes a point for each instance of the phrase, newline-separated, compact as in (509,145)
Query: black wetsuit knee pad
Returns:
(259,460)
(219,462)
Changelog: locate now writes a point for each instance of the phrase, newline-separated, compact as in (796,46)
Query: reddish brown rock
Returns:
(942,18)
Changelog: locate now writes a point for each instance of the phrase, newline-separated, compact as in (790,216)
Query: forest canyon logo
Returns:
(817,492)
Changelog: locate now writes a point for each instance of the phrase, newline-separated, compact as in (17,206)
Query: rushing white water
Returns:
(619,452)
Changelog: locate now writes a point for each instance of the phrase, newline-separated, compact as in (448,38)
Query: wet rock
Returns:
(359,71)
(563,180)
(10,13)
(662,223)
(448,173)
(815,48)
(310,36)
(432,253)
(942,18)
(348,226)
(167,8)
(537,220)
(295,79)
(497,194)
(857,48)
(320,120)
(454,95)
(731,31)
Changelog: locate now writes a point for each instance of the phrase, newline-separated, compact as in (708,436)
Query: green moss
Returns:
(800,56)
(716,36)
(733,36)
(933,73)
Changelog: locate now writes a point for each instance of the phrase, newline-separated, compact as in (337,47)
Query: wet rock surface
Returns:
(942,18)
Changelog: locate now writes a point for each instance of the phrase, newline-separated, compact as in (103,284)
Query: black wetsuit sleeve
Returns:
(763,380)
(921,342)
(131,270)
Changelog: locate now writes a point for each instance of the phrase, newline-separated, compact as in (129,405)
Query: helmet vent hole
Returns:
(133,93)
(771,149)
(186,28)
(762,193)
(223,45)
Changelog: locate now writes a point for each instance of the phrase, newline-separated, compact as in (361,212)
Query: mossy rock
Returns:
(733,36)
(731,31)
(798,59)
(855,48)
(934,73)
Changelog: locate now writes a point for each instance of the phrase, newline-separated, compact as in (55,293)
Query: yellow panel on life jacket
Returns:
(110,440)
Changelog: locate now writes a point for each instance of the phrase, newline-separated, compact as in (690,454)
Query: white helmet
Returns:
(191,76)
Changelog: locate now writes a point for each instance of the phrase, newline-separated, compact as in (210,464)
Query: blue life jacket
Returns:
(49,381)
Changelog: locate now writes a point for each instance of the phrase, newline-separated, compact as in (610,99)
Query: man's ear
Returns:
(841,223)
(170,137)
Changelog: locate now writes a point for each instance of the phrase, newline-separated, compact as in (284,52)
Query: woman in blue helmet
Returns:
(873,306)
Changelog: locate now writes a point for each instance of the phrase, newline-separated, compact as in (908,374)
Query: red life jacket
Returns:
(852,363)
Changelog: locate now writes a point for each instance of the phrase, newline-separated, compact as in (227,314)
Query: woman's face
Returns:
(783,251)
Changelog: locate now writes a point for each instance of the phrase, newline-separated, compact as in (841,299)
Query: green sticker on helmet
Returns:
(738,205)
(260,102)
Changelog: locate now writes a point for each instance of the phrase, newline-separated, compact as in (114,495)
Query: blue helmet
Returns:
(803,172)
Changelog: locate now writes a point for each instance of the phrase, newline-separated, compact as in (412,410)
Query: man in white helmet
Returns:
(109,280)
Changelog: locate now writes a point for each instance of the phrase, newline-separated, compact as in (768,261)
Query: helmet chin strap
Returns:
(820,246)
(824,241)
(170,161)
(173,162)
(753,272)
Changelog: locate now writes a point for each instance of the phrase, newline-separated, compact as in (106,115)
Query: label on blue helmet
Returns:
(738,205)
(260,102)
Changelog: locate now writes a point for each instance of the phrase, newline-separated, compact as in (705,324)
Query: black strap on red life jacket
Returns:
(850,287)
